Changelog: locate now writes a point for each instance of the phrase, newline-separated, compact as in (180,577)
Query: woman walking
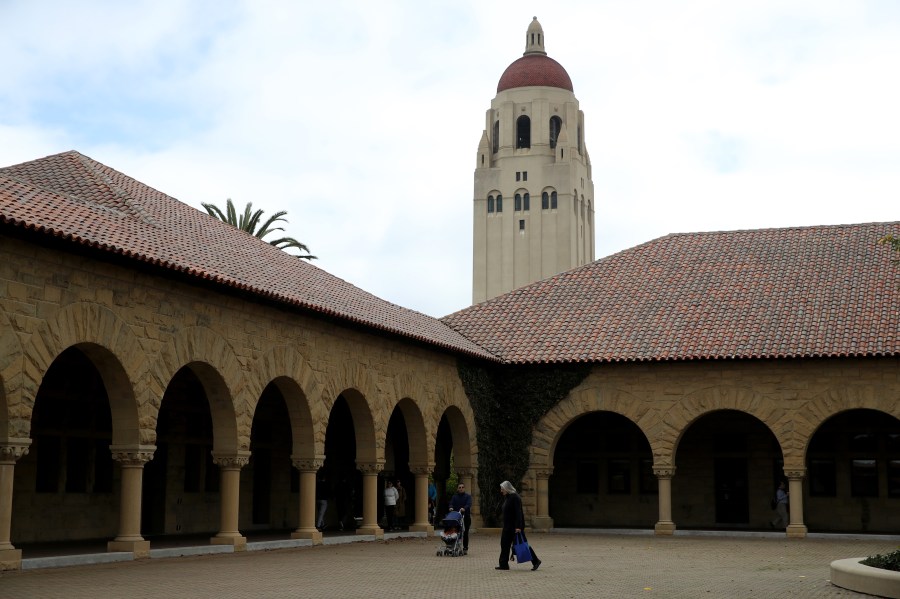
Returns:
(513,523)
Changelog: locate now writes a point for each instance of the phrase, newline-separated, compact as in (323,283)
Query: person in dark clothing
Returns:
(513,522)
(462,502)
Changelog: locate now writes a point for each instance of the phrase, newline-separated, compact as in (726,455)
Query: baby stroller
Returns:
(452,535)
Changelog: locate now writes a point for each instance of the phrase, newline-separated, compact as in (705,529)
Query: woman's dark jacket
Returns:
(513,516)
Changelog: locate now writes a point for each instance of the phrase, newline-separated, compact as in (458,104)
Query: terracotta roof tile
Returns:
(75,198)
(534,69)
(770,293)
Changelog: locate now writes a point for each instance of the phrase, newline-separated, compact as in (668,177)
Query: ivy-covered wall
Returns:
(508,400)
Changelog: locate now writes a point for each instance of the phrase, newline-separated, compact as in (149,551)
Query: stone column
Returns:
(664,475)
(796,528)
(420,522)
(542,520)
(10,452)
(132,460)
(467,477)
(370,499)
(230,489)
(307,529)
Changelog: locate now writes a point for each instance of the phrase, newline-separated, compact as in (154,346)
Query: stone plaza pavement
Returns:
(588,564)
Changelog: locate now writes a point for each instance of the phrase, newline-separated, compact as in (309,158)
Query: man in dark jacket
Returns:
(513,523)
(462,502)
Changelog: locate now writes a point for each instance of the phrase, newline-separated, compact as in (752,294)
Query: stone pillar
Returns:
(10,452)
(467,477)
(230,489)
(308,470)
(370,499)
(542,520)
(796,528)
(664,475)
(420,521)
(131,460)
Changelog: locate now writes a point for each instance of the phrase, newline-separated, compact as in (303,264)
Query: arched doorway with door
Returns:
(603,474)
(728,464)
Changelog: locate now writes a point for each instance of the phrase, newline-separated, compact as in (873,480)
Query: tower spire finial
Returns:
(534,39)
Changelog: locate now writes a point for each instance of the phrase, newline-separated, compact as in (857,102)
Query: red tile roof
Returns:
(534,69)
(74,198)
(771,293)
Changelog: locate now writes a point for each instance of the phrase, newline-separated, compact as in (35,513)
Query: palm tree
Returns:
(250,221)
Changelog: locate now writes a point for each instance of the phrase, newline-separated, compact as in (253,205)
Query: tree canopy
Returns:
(251,222)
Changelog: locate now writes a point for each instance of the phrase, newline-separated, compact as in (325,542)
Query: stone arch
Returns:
(291,373)
(13,423)
(114,350)
(456,407)
(675,422)
(212,359)
(415,431)
(813,414)
(549,429)
(354,382)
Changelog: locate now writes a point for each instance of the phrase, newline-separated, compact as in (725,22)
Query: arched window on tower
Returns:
(499,203)
(490,204)
(526,202)
(580,151)
(523,132)
(553,200)
(495,137)
(545,201)
(555,128)
(518,202)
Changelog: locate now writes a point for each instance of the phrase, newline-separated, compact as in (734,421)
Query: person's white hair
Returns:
(507,486)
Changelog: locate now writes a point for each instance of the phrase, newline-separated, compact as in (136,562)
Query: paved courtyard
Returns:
(574,565)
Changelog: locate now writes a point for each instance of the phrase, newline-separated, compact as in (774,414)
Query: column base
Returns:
(796,531)
(10,559)
(428,529)
(308,533)
(664,528)
(541,523)
(140,549)
(239,542)
(377,531)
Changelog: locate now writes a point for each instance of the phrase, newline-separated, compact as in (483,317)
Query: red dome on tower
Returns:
(535,69)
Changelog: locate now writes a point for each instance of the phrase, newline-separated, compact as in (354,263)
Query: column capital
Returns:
(795,472)
(664,471)
(233,461)
(13,449)
(421,470)
(307,465)
(544,472)
(467,472)
(132,455)
(370,467)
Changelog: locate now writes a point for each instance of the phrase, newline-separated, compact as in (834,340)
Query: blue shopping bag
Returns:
(521,549)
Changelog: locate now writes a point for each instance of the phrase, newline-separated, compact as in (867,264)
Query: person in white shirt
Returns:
(390,503)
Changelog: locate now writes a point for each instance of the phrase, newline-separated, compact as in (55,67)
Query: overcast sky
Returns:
(362,119)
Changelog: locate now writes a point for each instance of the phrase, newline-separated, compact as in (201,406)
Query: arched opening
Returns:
(853,474)
(275,482)
(728,464)
(523,132)
(396,467)
(340,465)
(66,487)
(495,137)
(603,474)
(181,482)
(555,128)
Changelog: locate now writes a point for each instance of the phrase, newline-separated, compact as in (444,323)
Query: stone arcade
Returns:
(163,374)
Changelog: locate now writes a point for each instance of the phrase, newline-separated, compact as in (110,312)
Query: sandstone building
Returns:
(163,374)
